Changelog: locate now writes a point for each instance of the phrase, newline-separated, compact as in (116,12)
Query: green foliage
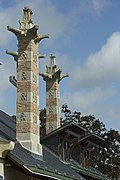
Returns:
(106,158)
(42,117)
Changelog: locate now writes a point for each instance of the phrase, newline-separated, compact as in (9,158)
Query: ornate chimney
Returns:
(27,120)
(53,76)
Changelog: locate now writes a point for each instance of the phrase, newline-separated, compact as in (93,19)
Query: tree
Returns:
(89,122)
(106,158)
(42,118)
(109,156)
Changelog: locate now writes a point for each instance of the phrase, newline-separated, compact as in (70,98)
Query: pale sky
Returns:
(85,37)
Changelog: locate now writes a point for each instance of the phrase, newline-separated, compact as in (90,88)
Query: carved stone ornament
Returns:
(34,98)
(34,78)
(35,59)
(50,110)
(34,118)
(22,117)
(24,56)
(27,14)
(51,125)
(23,96)
(23,76)
(50,94)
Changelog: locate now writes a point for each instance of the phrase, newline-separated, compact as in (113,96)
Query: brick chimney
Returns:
(53,76)
(27,115)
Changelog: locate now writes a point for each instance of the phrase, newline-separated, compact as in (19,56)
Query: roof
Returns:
(49,164)
(91,172)
(73,133)
(92,138)
(7,127)
(71,128)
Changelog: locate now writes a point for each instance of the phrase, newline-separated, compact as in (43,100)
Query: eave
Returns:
(87,172)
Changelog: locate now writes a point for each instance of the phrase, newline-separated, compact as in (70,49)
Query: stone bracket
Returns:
(45,76)
(40,37)
(14,54)
(64,76)
(13,80)
(17,32)
(41,56)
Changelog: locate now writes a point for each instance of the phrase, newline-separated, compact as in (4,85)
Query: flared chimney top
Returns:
(27,22)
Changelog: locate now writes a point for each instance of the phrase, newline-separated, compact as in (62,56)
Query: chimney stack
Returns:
(53,76)
(27,115)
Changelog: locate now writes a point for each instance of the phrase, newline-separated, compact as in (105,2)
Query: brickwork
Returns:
(52,77)
(27,86)
(27,107)
(52,102)
(27,82)
(27,66)
(27,127)
(52,105)
(52,117)
(52,85)
(52,125)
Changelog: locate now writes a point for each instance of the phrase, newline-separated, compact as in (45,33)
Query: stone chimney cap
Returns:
(52,56)
(27,9)
(52,60)
(27,14)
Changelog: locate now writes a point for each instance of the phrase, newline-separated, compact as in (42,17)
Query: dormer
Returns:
(71,142)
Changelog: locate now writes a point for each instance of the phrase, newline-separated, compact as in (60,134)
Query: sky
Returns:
(85,38)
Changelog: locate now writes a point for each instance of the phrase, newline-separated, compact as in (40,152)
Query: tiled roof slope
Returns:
(50,164)
(7,127)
